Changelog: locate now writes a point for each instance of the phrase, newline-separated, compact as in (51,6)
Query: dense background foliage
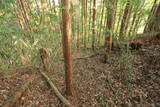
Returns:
(26,25)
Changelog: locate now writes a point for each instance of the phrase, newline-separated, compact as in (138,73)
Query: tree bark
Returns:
(110,22)
(126,17)
(153,24)
(101,22)
(93,25)
(66,39)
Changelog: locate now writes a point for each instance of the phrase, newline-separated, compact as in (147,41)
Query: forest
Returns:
(79,53)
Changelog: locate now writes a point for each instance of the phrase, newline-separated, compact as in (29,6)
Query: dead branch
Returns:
(59,95)
(18,94)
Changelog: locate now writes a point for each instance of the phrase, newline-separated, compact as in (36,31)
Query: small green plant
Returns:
(125,66)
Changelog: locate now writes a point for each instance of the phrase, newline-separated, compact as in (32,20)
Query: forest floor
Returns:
(126,80)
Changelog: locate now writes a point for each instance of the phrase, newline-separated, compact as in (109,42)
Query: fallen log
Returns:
(12,102)
(54,88)
(47,67)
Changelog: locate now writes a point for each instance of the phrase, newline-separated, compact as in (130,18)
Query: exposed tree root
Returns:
(59,95)
(12,102)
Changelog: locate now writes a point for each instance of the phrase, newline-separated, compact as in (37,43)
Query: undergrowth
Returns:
(125,67)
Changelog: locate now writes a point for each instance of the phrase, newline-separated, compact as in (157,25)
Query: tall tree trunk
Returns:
(136,18)
(119,17)
(126,18)
(93,25)
(153,23)
(90,15)
(22,11)
(82,21)
(85,24)
(101,22)
(66,39)
(20,20)
(110,22)
(78,36)
(111,7)
(136,25)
